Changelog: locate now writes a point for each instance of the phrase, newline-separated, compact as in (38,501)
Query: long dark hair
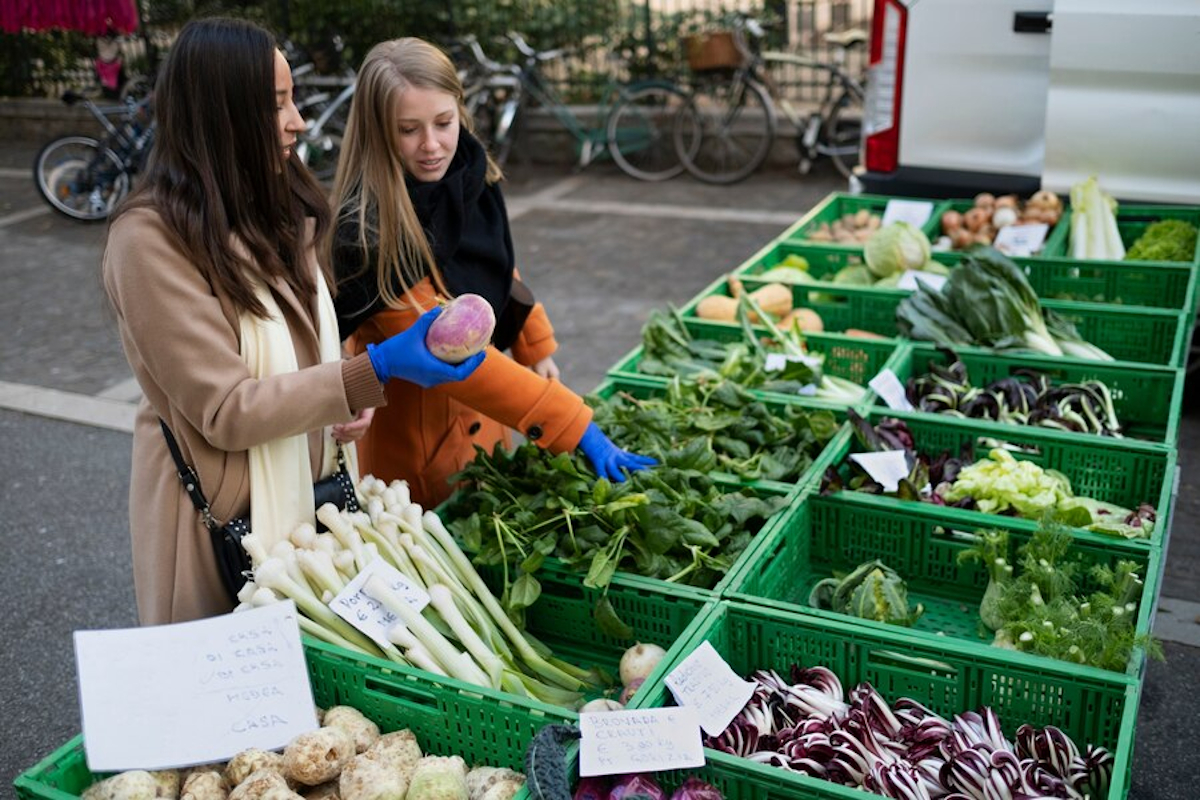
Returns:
(218,171)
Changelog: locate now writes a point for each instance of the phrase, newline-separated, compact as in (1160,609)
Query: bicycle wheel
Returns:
(495,121)
(726,130)
(841,136)
(641,132)
(80,178)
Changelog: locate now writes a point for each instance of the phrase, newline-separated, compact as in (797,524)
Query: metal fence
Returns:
(608,38)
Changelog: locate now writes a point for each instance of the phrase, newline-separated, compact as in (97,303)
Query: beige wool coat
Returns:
(181,338)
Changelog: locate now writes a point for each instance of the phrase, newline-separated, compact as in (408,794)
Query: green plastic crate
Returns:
(1056,232)
(1161,284)
(853,358)
(447,715)
(448,719)
(1127,333)
(837,204)
(1132,221)
(643,389)
(1147,399)
(828,534)
(946,676)
(1125,473)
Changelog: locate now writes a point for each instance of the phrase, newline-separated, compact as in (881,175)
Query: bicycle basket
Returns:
(713,50)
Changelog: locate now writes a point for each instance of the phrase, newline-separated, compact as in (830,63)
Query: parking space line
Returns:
(675,212)
(127,391)
(10,172)
(22,216)
(69,406)
(550,196)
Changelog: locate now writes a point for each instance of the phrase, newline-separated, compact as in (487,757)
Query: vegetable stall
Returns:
(915,490)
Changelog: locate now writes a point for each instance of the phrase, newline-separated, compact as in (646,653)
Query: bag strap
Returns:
(189,479)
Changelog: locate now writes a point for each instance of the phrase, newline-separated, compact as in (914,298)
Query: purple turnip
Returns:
(463,329)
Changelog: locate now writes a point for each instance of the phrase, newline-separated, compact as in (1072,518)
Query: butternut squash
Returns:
(717,307)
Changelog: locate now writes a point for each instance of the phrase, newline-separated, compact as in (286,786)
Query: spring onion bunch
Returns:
(462,633)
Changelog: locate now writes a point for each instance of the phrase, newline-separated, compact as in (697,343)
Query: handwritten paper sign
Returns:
(194,692)
(908,280)
(368,614)
(914,212)
(1021,240)
(887,467)
(706,683)
(619,742)
(890,390)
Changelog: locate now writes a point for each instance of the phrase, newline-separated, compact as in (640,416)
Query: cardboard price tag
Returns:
(194,692)
(1021,240)
(908,280)
(649,740)
(890,390)
(706,683)
(887,467)
(366,613)
(914,212)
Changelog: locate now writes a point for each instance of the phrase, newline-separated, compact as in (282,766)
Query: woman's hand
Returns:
(348,432)
(546,368)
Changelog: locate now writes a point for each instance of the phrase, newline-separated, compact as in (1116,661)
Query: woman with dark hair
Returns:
(227,320)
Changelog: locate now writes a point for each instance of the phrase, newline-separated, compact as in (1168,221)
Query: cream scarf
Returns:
(281,482)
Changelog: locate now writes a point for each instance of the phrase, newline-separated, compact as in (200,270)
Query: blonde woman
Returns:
(421,218)
(227,321)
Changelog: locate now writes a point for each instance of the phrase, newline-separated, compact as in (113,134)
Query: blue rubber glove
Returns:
(608,459)
(406,357)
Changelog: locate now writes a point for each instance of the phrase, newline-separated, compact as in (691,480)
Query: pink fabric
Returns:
(92,17)
(109,72)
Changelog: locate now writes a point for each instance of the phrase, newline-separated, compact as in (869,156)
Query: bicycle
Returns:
(728,128)
(83,177)
(323,98)
(634,119)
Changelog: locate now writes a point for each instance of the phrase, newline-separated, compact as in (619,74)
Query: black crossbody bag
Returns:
(233,563)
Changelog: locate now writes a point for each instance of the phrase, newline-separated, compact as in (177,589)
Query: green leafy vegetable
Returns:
(895,248)
(872,591)
(1165,240)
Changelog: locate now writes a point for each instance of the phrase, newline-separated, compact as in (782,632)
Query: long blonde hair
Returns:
(368,188)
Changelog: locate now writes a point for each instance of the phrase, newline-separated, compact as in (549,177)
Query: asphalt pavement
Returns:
(600,249)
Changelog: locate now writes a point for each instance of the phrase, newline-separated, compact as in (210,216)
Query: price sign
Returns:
(706,683)
(908,280)
(914,212)
(650,740)
(887,467)
(890,390)
(194,692)
(1021,240)
(366,613)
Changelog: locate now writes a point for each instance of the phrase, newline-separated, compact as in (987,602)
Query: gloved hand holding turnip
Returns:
(607,459)
(408,357)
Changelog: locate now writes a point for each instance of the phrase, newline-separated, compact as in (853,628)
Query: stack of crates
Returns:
(758,616)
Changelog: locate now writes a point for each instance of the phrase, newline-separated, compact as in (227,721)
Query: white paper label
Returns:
(777,361)
(908,280)
(890,390)
(193,692)
(368,614)
(1021,240)
(914,212)
(648,740)
(705,682)
(887,467)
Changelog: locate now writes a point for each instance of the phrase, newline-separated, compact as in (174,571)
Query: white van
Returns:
(1015,95)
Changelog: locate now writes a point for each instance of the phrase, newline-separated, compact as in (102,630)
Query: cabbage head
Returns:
(895,248)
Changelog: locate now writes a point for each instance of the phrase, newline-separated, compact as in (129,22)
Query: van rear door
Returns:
(972,95)
(1124,98)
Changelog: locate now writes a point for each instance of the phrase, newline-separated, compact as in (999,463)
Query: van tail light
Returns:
(885,73)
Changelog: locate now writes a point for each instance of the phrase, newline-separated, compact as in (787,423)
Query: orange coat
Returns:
(424,436)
